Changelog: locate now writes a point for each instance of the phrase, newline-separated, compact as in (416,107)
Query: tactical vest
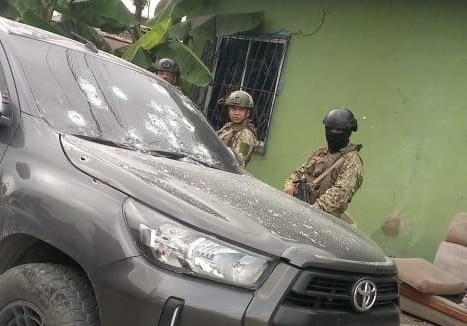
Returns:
(319,162)
(229,131)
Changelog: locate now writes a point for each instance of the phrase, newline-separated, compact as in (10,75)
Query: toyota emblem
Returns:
(363,295)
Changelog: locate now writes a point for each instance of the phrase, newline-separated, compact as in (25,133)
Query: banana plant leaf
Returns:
(85,31)
(78,16)
(142,58)
(15,8)
(30,14)
(208,27)
(175,9)
(7,9)
(67,27)
(155,36)
(109,15)
(180,31)
(193,69)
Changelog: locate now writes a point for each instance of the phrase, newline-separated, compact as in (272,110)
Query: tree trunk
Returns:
(139,6)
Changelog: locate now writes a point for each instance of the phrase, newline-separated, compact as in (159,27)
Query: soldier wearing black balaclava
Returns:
(333,172)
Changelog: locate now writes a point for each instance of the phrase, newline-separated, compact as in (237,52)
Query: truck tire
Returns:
(46,295)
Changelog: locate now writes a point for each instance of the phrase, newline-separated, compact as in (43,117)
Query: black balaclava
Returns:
(336,141)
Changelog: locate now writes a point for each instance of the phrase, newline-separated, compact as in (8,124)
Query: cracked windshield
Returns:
(108,103)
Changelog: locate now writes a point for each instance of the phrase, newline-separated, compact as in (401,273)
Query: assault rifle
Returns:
(308,192)
(303,190)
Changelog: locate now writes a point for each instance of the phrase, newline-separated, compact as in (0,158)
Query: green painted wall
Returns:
(401,66)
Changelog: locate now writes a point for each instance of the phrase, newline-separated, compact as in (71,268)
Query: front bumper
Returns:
(134,292)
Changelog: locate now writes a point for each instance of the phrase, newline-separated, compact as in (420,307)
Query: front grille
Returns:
(331,290)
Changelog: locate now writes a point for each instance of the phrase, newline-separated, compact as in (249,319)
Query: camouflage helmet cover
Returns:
(241,99)
(167,64)
(341,118)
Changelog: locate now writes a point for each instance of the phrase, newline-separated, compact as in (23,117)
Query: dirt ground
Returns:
(408,320)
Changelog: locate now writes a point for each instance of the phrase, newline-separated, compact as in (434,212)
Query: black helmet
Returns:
(341,118)
(167,64)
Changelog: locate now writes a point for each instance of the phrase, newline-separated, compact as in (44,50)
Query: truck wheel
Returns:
(46,295)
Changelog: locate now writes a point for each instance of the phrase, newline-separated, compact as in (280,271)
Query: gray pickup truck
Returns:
(120,206)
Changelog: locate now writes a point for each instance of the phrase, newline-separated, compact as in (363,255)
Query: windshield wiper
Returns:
(174,155)
(178,156)
(104,141)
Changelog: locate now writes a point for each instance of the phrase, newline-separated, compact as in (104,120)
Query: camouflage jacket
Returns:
(239,137)
(335,191)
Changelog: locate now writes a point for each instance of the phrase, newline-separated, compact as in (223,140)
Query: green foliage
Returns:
(208,27)
(32,17)
(142,58)
(109,15)
(176,9)
(78,16)
(166,31)
(168,36)
(146,42)
(85,31)
(7,10)
(157,43)
(156,35)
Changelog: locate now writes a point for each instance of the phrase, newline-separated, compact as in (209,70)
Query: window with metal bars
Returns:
(248,62)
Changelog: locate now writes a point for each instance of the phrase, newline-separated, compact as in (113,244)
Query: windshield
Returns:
(82,94)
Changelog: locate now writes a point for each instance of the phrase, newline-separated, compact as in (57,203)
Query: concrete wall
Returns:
(401,66)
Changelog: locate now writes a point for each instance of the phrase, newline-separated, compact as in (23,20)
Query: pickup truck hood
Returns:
(234,207)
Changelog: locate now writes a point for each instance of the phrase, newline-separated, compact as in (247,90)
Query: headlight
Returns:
(177,247)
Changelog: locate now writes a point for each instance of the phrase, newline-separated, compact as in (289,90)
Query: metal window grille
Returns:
(249,62)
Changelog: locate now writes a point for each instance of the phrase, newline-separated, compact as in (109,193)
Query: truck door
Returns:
(9,110)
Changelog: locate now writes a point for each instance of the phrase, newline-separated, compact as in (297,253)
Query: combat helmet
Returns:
(167,64)
(340,118)
(241,99)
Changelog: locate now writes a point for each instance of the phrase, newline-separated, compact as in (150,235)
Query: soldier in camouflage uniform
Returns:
(239,133)
(333,192)
(168,70)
